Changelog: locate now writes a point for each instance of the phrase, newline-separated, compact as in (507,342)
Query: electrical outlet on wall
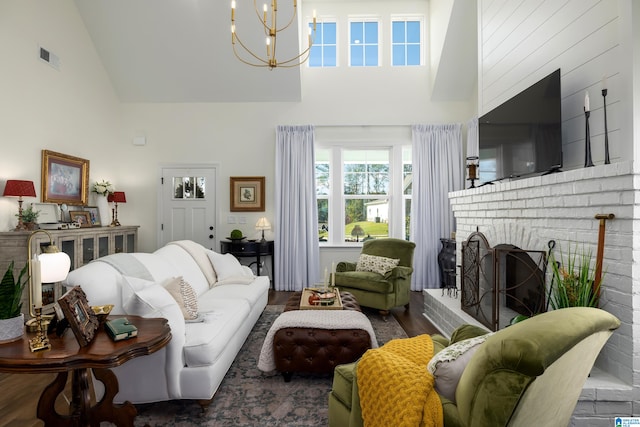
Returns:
(231,219)
(242,220)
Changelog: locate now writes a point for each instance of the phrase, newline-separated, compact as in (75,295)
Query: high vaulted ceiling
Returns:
(180,51)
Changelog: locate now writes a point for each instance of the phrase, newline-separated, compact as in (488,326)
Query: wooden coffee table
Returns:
(100,355)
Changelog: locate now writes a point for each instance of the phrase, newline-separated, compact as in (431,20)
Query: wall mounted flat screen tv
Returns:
(523,136)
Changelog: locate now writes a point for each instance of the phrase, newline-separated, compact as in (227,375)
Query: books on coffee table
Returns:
(120,329)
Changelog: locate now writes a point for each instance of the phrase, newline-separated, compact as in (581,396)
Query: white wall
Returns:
(75,111)
(521,42)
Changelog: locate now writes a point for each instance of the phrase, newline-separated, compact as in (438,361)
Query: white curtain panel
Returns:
(297,251)
(437,170)
(472,138)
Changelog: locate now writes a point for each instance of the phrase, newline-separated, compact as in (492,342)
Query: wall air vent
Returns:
(49,57)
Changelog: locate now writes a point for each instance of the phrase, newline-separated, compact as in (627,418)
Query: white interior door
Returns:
(188,205)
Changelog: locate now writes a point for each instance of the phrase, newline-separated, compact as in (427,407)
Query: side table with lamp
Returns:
(252,249)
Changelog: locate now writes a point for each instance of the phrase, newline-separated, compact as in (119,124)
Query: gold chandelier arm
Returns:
(235,52)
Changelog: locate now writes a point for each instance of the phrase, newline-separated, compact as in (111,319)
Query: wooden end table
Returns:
(101,354)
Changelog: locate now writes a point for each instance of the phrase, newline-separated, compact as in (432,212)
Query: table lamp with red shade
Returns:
(116,197)
(20,189)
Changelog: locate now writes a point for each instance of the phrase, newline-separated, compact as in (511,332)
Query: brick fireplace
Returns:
(528,213)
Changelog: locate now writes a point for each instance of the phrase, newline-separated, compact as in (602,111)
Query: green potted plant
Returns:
(11,316)
(574,281)
(30,217)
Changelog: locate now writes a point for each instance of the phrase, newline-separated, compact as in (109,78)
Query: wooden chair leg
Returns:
(406,307)
(384,314)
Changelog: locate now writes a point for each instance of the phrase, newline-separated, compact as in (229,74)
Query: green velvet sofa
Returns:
(528,374)
(375,290)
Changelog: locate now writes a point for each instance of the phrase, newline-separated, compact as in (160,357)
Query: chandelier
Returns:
(269,19)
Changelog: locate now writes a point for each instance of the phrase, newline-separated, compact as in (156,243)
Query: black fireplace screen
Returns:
(500,282)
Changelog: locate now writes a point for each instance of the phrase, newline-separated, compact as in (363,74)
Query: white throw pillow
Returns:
(229,270)
(376,264)
(447,366)
(185,296)
(145,298)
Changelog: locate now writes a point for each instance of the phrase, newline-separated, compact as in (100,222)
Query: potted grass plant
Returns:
(574,281)
(11,316)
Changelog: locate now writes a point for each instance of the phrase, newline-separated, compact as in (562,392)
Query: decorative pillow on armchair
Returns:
(447,366)
(376,264)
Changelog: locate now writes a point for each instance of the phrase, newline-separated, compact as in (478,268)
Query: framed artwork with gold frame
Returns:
(247,193)
(65,179)
(82,320)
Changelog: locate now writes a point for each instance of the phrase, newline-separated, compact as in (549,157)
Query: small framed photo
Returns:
(82,320)
(81,217)
(65,179)
(94,215)
(247,193)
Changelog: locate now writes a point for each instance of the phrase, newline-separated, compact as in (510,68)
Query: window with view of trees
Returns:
(363,207)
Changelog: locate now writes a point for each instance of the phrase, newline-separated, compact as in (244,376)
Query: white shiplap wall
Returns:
(520,42)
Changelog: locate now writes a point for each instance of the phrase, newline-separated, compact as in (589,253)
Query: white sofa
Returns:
(230,300)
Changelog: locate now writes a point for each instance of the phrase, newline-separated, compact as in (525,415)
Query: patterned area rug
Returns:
(249,397)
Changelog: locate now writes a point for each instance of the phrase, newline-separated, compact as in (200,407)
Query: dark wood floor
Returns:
(20,392)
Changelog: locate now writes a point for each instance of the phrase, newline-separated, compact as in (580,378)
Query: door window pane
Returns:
(189,187)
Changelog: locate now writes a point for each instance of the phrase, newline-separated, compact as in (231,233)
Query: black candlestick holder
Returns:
(588,162)
(606,131)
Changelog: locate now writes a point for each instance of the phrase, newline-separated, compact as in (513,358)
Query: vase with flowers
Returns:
(103,189)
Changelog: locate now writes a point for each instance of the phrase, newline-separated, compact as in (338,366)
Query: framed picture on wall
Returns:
(65,179)
(247,193)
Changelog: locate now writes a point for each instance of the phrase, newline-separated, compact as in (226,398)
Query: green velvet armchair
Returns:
(528,374)
(375,290)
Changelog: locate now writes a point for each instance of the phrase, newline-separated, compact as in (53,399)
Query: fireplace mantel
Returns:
(562,207)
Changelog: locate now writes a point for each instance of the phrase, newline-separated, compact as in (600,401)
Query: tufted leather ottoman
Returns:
(315,350)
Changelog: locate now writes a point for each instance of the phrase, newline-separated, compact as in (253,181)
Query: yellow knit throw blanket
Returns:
(395,387)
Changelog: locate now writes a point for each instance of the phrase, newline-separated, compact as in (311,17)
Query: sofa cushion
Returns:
(364,280)
(229,270)
(145,298)
(343,382)
(447,366)
(376,264)
(184,295)
(466,331)
(205,341)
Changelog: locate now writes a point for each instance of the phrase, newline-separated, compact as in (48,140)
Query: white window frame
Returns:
(405,18)
(337,198)
(328,20)
(377,19)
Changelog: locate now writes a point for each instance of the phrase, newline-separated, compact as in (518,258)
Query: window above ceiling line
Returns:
(368,41)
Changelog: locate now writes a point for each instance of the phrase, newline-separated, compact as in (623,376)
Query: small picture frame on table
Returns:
(94,215)
(82,320)
(81,217)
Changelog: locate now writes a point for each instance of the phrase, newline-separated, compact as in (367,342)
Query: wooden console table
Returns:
(66,355)
(249,249)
